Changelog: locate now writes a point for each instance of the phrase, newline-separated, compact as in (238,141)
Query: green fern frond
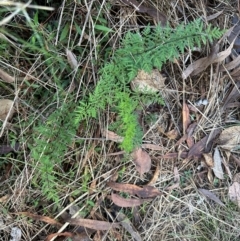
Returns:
(147,50)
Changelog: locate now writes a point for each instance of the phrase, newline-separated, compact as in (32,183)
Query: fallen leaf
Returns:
(4,199)
(198,148)
(72,60)
(172,135)
(208,159)
(234,193)
(15,234)
(144,192)
(210,175)
(217,168)
(213,16)
(54,235)
(229,139)
(128,226)
(6,77)
(201,64)
(93,224)
(6,109)
(142,161)
(190,130)
(186,117)
(44,219)
(112,136)
(211,196)
(125,203)
(145,82)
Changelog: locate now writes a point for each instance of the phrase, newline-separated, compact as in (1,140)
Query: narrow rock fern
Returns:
(139,51)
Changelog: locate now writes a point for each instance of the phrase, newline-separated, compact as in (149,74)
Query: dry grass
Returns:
(180,214)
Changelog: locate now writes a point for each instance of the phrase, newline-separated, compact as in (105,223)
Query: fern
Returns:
(51,140)
(139,51)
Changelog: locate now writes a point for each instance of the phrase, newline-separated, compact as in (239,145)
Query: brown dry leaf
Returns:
(230,138)
(72,60)
(44,219)
(190,130)
(153,147)
(210,175)
(155,175)
(126,203)
(112,136)
(128,226)
(6,109)
(198,148)
(217,169)
(54,235)
(208,159)
(145,82)
(185,117)
(4,199)
(234,193)
(172,135)
(144,192)
(142,161)
(6,77)
(211,196)
(201,64)
(93,224)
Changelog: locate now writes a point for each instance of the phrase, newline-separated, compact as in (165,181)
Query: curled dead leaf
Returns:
(208,159)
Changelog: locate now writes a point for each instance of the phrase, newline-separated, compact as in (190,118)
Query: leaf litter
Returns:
(127,202)
(217,168)
(142,161)
(229,139)
(142,192)
(211,196)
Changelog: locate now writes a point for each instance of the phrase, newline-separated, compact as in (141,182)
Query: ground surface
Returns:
(50,58)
